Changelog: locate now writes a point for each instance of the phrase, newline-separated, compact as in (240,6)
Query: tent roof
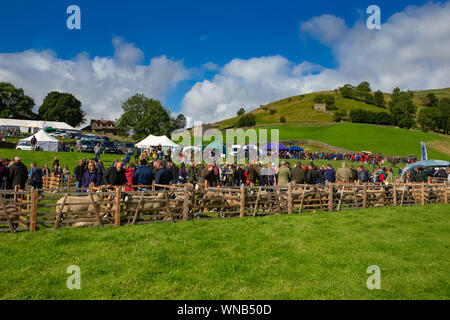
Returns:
(35,124)
(271,146)
(152,141)
(216,144)
(295,148)
(41,135)
(426,163)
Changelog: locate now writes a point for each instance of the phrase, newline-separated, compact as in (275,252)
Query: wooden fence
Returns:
(22,210)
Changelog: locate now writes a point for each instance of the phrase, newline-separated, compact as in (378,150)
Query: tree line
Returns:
(141,115)
(402,112)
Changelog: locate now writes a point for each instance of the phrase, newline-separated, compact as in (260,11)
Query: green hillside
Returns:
(299,109)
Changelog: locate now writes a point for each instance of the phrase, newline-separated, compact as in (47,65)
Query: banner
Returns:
(423,152)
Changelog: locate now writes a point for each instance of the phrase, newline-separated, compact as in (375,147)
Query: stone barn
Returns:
(320,107)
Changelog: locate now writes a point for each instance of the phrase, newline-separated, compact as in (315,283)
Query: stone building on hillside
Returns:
(320,107)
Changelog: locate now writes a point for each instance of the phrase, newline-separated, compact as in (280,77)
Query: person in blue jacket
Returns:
(143,175)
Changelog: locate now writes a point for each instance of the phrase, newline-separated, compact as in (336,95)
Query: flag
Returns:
(423,152)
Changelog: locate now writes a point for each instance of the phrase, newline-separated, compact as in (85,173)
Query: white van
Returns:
(24,145)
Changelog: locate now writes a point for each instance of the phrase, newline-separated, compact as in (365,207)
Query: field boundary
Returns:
(32,210)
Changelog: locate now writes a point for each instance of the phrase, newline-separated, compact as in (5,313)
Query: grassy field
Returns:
(358,137)
(309,256)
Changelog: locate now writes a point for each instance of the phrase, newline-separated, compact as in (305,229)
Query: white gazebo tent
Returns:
(44,141)
(153,141)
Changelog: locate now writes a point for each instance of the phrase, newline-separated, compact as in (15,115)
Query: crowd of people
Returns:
(146,170)
(9,134)
(361,157)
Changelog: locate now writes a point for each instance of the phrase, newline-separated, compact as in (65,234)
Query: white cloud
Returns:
(411,51)
(326,28)
(101,83)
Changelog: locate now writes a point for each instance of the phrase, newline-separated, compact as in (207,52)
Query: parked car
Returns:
(87,146)
(125,147)
(109,147)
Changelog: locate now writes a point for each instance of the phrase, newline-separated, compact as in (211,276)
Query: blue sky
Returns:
(190,32)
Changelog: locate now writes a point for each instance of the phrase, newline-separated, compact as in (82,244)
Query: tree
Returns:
(59,106)
(378,99)
(402,109)
(362,90)
(247,120)
(340,115)
(428,118)
(366,116)
(144,116)
(14,103)
(347,91)
(180,122)
(444,115)
(328,99)
(430,100)
(368,98)
(240,112)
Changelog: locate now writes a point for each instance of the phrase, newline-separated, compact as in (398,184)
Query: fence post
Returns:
(153,185)
(330,197)
(34,206)
(118,202)
(91,187)
(289,197)
(186,203)
(423,193)
(364,195)
(445,193)
(395,194)
(242,211)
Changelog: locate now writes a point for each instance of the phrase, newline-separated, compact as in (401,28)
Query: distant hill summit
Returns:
(301,110)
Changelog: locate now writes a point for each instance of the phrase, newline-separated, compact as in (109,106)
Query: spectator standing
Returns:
(363,175)
(35,179)
(143,175)
(313,174)
(129,173)
(343,174)
(3,175)
(33,143)
(78,173)
(298,174)
(115,176)
(284,174)
(163,175)
(91,175)
(18,174)
(330,174)
(97,151)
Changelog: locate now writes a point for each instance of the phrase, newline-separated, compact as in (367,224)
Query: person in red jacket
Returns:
(129,175)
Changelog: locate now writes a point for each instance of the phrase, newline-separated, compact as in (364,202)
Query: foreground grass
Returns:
(308,256)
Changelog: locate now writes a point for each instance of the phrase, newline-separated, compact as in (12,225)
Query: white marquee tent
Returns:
(153,141)
(33,125)
(44,141)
